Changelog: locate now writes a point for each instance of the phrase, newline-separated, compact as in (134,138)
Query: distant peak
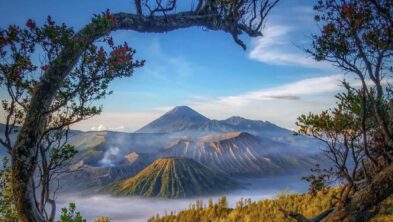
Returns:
(181,108)
(178,119)
(184,110)
(236,118)
(239,119)
(224,136)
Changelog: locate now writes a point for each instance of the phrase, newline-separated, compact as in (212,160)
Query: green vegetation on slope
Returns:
(173,178)
(267,210)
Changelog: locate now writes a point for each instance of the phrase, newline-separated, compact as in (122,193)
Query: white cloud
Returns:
(286,34)
(281,104)
(291,91)
(276,48)
(101,127)
(98,128)
(160,65)
(116,121)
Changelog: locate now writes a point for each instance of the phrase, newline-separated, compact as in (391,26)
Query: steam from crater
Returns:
(109,156)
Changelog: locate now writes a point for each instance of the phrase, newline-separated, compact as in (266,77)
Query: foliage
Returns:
(7,205)
(26,56)
(88,80)
(267,210)
(357,37)
(319,179)
(350,133)
(70,214)
(351,30)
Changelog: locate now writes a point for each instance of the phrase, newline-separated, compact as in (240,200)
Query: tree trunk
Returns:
(24,155)
(53,210)
(363,201)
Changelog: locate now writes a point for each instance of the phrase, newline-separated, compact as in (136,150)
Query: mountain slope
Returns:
(239,153)
(105,148)
(173,178)
(90,175)
(255,126)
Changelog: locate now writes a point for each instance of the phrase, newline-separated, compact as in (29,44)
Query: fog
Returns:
(137,209)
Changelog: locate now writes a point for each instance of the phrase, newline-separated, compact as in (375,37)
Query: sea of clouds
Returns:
(137,209)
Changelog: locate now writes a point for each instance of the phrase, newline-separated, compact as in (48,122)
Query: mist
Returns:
(109,155)
(138,209)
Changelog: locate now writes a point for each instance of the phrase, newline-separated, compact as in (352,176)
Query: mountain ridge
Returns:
(238,153)
(185,119)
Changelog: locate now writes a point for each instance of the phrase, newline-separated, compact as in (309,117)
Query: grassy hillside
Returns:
(263,210)
(173,178)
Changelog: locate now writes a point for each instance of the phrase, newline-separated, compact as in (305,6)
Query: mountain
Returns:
(257,127)
(186,120)
(241,154)
(173,178)
(182,121)
(180,118)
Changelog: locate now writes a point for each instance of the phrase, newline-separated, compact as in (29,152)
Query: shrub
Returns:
(102,219)
(70,214)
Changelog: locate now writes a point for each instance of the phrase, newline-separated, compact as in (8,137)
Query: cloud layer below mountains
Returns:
(135,209)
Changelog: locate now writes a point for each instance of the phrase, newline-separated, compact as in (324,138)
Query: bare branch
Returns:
(138,6)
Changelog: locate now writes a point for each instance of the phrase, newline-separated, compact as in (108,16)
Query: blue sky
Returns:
(272,80)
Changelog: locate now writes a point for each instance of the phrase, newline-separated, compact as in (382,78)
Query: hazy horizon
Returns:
(273,80)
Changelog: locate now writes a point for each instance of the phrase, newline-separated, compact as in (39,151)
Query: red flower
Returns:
(110,17)
(44,67)
(2,41)
(16,74)
(101,54)
(31,24)
(328,29)
(347,10)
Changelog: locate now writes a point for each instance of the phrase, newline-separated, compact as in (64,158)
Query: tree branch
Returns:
(181,20)
(138,7)
(300,218)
